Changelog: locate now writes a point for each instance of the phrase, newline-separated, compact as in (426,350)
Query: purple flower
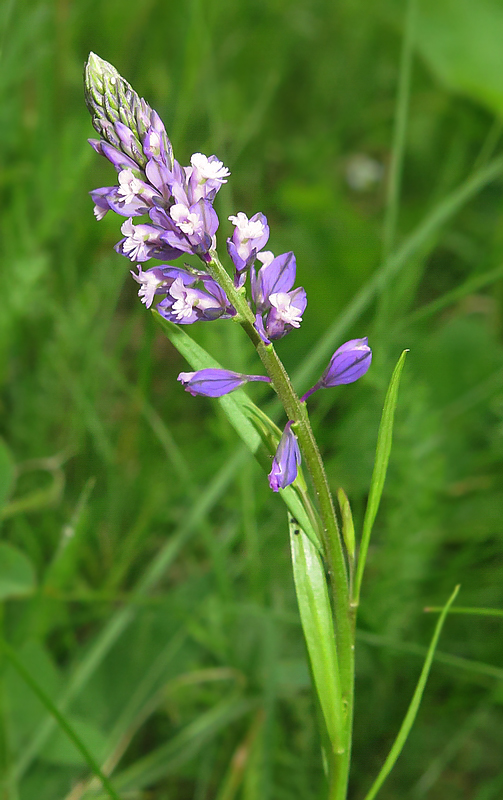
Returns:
(349,362)
(286,461)
(142,242)
(285,313)
(157,280)
(279,310)
(215,382)
(276,275)
(185,304)
(250,236)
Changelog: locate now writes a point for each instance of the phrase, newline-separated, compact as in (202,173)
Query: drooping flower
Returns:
(275,275)
(286,312)
(286,461)
(216,382)
(349,362)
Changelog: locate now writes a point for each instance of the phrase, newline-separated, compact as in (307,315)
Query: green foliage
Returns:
(154,601)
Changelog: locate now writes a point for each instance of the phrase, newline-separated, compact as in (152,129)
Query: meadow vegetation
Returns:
(145,577)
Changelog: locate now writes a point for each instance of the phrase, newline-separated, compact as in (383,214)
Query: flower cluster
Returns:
(178,202)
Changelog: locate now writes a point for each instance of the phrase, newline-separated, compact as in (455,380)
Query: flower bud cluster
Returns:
(178,200)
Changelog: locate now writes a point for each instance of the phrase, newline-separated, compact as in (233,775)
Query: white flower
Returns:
(134,245)
(282,302)
(186,299)
(209,169)
(129,186)
(149,281)
(188,222)
(247,228)
(266,257)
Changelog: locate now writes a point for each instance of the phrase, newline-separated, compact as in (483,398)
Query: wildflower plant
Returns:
(168,212)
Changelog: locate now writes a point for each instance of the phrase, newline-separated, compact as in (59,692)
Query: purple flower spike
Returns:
(215,382)
(286,461)
(349,362)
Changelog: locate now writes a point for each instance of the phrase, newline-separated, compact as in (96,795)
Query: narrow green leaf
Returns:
(348,528)
(480,612)
(384,439)
(17,576)
(414,704)
(316,617)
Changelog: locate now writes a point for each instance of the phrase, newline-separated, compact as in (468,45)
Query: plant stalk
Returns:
(330,535)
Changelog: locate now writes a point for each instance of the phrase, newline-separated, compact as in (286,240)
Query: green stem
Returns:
(330,535)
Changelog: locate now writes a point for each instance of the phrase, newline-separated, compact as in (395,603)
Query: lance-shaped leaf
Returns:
(316,617)
(383,450)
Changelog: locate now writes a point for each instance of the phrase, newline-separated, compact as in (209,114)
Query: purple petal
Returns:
(286,461)
(278,276)
(349,362)
(215,382)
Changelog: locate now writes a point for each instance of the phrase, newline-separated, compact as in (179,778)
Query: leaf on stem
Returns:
(383,450)
(316,617)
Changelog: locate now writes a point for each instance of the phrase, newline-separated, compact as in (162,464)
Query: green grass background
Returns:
(144,563)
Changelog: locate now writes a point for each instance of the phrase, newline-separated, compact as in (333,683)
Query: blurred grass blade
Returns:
(481,612)
(60,719)
(469,666)
(384,439)
(120,621)
(316,617)
(184,745)
(399,131)
(473,284)
(412,244)
(414,704)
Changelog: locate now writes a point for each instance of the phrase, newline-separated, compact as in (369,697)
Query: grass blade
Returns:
(60,719)
(384,439)
(426,229)
(121,620)
(414,704)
